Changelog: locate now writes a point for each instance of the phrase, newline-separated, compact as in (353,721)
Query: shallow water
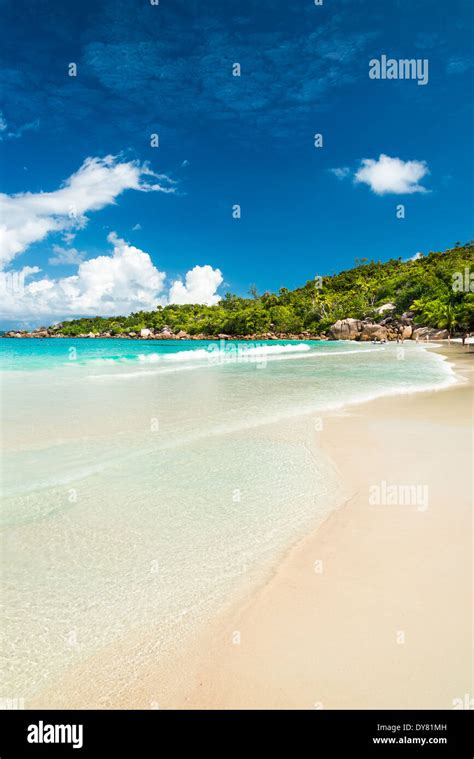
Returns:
(146,482)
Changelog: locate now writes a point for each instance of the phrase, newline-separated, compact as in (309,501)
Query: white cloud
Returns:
(126,280)
(119,283)
(392,175)
(200,287)
(66,256)
(341,173)
(6,134)
(458,65)
(108,285)
(19,131)
(30,217)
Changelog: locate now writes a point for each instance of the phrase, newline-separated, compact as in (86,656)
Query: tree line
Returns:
(438,289)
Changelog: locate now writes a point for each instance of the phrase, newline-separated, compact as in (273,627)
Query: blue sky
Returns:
(160,233)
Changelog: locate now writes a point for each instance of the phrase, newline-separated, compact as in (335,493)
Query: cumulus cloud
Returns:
(66,256)
(119,283)
(29,217)
(392,175)
(200,286)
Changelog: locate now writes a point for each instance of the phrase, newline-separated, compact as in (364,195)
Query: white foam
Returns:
(108,361)
(269,350)
(219,350)
(220,357)
(199,354)
(134,374)
(148,358)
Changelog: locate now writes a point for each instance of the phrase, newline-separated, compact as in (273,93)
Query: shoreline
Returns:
(165,336)
(426,336)
(274,664)
(380,649)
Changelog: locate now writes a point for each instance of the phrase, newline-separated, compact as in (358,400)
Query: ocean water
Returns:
(146,483)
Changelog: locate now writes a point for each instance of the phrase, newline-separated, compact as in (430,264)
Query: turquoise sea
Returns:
(147,483)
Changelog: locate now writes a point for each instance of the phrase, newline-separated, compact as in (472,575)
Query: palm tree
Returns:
(443,315)
(440,313)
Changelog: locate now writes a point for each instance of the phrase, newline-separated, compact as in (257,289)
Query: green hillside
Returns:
(436,287)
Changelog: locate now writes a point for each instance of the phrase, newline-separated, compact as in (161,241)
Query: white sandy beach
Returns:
(388,621)
(373,609)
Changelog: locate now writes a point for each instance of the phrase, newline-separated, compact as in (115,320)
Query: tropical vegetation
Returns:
(437,288)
